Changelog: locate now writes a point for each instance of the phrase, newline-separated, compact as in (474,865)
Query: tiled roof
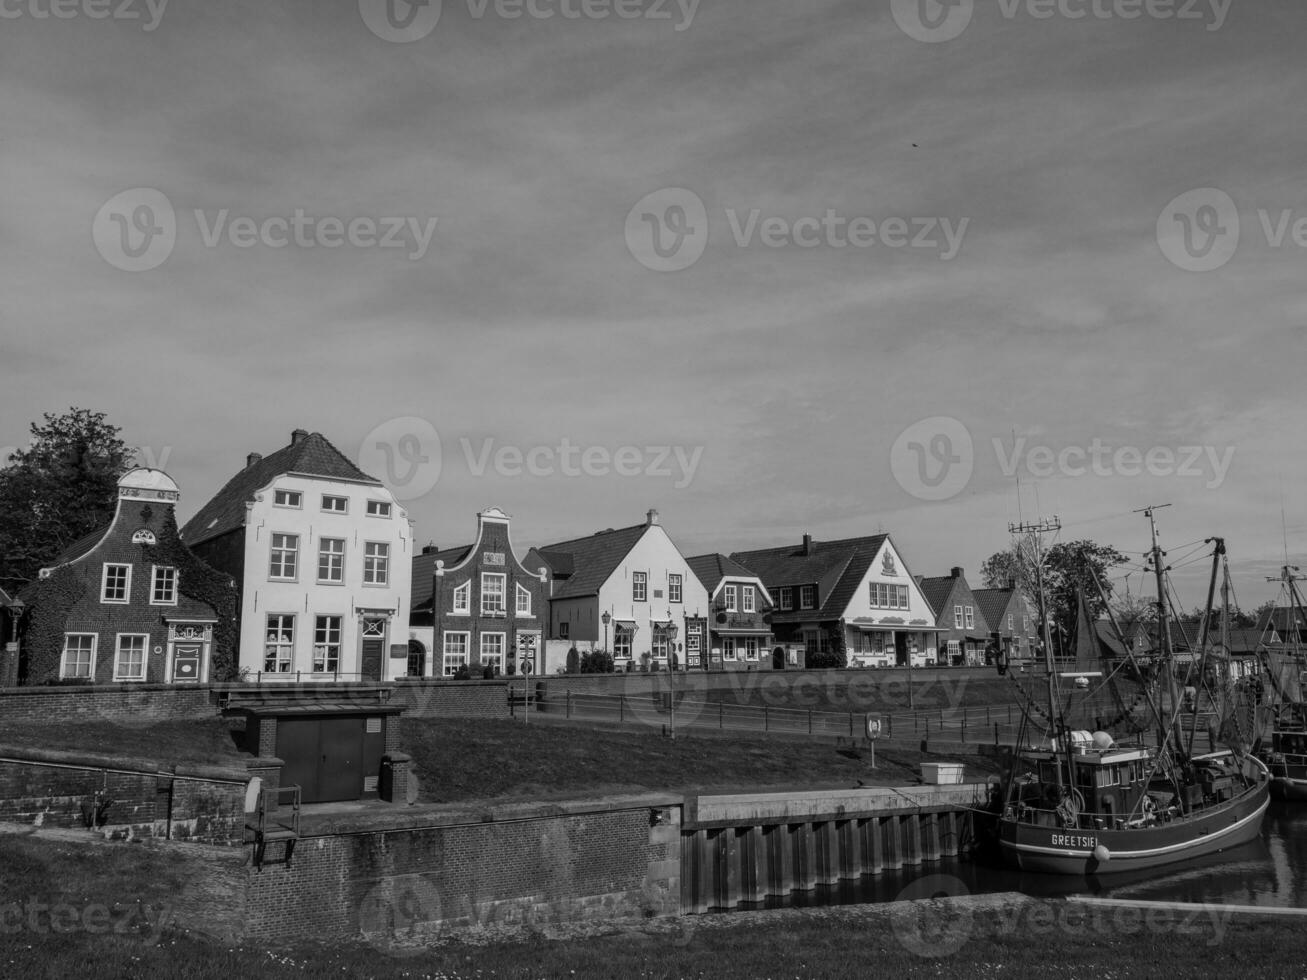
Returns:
(937,591)
(593,559)
(313,455)
(424,570)
(993,604)
(1281,618)
(711,569)
(835,567)
(4,598)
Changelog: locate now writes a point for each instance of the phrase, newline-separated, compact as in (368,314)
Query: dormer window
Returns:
(786,597)
(746,596)
(729,598)
(808,597)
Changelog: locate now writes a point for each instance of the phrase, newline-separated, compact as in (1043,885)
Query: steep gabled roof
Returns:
(1285,621)
(312,455)
(835,567)
(711,569)
(424,570)
(938,590)
(82,546)
(593,559)
(993,604)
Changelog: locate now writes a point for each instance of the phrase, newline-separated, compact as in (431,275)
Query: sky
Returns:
(772,268)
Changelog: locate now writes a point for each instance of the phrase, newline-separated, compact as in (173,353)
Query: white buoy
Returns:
(1101,854)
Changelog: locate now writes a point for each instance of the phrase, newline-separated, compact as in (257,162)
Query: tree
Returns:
(62,487)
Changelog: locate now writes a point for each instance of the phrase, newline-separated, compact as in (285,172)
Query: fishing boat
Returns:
(1284,747)
(1127,792)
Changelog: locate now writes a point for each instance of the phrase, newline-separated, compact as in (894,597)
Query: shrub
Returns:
(597,662)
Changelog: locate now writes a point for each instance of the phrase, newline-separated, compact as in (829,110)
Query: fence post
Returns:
(889,726)
(996,733)
(569,705)
(720,713)
(850,724)
(809,721)
(621,707)
(764,718)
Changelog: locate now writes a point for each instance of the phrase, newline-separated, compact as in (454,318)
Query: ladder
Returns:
(261,829)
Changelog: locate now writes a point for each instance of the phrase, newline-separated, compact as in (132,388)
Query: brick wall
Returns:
(452,699)
(136,702)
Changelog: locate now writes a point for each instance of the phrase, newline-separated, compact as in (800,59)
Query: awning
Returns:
(740,631)
(896,628)
(630,625)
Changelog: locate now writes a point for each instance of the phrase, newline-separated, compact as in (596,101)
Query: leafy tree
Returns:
(597,662)
(62,487)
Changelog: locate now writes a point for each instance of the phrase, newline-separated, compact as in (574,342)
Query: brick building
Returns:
(477,606)
(739,626)
(964,632)
(128,602)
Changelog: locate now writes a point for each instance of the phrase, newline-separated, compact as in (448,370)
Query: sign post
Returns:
(873,733)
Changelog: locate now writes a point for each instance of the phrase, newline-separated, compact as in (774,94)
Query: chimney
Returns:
(1012,582)
(807,544)
(298,436)
(429,548)
(252,458)
(652,518)
(956,572)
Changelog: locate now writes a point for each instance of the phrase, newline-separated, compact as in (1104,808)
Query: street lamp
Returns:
(670,633)
(912,652)
(607,619)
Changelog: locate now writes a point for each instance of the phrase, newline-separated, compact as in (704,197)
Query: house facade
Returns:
(478,607)
(629,590)
(739,623)
(964,632)
(1010,616)
(322,554)
(854,596)
(129,603)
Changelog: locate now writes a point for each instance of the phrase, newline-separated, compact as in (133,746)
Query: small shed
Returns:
(332,751)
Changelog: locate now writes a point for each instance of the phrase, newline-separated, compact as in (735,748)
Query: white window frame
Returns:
(501,657)
(751,648)
(522,608)
(623,650)
(807,597)
(639,586)
(451,661)
(127,584)
(729,598)
(728,648)
(747,599)
(322,648)
(957,617)
(155,572)
(90,666)
(379,508)
(463,599)
(332,499)
(376,567)
(281,643)
(283,498)
(971,617)
(118,674)
(786,598)
(338,567)
(564,629)
(293,550)
(488,607)
(1010,619)
(675,590)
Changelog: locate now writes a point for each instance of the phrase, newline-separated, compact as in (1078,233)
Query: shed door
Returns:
(324,756)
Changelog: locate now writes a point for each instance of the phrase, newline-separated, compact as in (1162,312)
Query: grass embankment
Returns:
(476,759)
(1045,939)
(210,741)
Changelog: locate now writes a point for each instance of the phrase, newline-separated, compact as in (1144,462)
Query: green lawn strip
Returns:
(207,741)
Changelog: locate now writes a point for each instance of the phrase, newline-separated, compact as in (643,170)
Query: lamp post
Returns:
(607,619)
(11,649)
(912,652)
(670,633)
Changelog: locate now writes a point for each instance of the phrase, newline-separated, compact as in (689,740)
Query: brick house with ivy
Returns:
(477,606)
(129,602)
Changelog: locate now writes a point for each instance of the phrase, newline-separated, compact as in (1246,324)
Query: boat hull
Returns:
(1055,850)
(1291,788)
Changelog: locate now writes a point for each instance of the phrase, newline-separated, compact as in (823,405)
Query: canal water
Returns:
(1268,871)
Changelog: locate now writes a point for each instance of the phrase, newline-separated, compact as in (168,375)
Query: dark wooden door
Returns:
(297,747)
(373,649)
(340,767)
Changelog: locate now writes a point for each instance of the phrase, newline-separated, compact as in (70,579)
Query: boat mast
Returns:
(1218,553)
(1034,532)
(1163,621)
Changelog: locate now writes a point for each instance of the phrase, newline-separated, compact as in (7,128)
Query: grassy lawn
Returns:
(206,741)
(474,759)
(137,883)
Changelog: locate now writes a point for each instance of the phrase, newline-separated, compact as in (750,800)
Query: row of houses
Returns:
(304,567)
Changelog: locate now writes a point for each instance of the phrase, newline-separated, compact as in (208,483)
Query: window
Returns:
(492,593)
(885,595)
(751,648)
(455,652)
(808,596)
(564,629)
(326,645)
(1010,618)
(692,639)
(728,598)
(163,587)
(728,648)
(746,597)
(285,554)
(971,617)
(492,651)
(673,588)
(622,637)
(117,583)
(523,607)
(129,663)
(279,644)
(287,498)
(463,599)
(639,586)
(376,563)
(957,617)
(816,641)
(331,560)
(954,649)
(336,505)
(787,597)
(1025,624)
(378,508)
(79,655)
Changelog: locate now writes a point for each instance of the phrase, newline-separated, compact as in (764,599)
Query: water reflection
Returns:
(1269,871)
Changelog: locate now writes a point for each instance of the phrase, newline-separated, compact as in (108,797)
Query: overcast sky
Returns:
(1040,311)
